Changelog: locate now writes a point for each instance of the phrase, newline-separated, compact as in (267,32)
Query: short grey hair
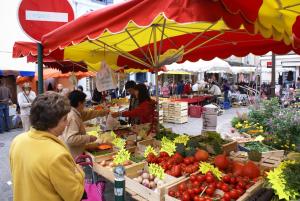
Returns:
(48,109)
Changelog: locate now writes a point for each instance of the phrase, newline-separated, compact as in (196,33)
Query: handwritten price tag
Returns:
(168,146)
(157,171)
(182,139)
(205,167)
(121,157)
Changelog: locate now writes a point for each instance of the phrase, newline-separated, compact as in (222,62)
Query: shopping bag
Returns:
(95,192)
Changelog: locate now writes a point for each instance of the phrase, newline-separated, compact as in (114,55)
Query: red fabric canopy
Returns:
(230,43)
(142,12)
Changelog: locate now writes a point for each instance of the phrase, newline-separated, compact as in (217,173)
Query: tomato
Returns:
(251,170)
(226,178)
(200,178)
(219,185)
(242,185)
(201,155)
(234,194)
(177,194)
(232,180)
(193,178)
(190,191)
(248,185)
(196,183)
(209,178)
(201,199)
(225,188)
(238,168)
(172,193)
(209,173)
(221,161)
(163,154)
(177,157)
(185,196)
(187,161)
(209,191)
(182,187)
(212,185)
(176,170)
(240,191)
(226,196)
(202,188)
(196,198)
(222,199)
(196,190)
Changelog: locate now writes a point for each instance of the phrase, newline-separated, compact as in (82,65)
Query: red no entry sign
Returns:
(39,17)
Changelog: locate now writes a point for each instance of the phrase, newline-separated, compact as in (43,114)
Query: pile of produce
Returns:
(210,186)
(257,146)
(165,132)
(148,180)
(210,141)
(178,165)
(285,180)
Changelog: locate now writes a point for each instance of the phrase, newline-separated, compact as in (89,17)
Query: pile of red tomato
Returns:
(229,188)
(177,165)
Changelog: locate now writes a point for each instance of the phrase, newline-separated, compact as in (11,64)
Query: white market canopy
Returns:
(243,69)
(213,66)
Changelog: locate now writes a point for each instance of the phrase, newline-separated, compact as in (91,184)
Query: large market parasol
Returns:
(154,33)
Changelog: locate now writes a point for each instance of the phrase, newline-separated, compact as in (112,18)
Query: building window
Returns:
(105,2)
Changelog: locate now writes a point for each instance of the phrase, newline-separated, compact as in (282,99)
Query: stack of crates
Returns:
(177,112)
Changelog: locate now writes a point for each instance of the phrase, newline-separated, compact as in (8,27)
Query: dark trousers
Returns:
(4,117)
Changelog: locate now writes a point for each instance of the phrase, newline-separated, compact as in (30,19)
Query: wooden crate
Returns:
(143,191)
(266,163)
(229,147)
(107,171)
(141,145)
(250,191)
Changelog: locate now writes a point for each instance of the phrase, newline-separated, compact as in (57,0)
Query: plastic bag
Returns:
(112,123)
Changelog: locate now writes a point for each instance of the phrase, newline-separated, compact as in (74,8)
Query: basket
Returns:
(195,111)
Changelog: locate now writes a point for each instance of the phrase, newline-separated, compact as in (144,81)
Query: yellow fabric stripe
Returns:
(276,19)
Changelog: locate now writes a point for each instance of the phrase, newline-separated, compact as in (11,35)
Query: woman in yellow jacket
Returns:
(42,167)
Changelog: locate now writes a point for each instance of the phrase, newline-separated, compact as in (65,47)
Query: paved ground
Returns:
(193,127)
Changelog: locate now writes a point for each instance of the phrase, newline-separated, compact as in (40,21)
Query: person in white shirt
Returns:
(25,99)
(215,90)
(195,87)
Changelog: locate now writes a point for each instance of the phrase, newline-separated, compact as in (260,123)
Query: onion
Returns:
(152,184)
(151,177)
(140,172)
(146,183)
(140,179)
(103,163)
(145,175)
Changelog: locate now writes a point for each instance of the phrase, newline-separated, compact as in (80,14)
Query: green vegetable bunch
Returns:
(285,180)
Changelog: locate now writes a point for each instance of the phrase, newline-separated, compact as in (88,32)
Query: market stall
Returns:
(179,166)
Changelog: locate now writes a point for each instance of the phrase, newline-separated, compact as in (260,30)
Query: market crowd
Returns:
(42,159)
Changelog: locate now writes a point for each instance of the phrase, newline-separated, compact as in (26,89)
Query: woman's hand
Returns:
(93,138)
(115,114)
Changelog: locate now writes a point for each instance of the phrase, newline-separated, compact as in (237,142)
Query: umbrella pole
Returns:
(157,99)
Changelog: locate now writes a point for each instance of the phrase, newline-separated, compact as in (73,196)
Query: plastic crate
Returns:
(226,105)
(195,111)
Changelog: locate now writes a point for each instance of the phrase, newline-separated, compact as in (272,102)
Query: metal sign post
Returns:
(40,68)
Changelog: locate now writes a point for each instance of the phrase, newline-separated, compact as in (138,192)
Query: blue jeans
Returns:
(4,117)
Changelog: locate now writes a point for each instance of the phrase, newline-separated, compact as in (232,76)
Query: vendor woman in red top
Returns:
(145,111)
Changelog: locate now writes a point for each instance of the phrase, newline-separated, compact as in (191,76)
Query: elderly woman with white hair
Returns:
(25,99)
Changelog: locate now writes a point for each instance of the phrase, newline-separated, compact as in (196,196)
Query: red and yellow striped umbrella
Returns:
(152,33)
